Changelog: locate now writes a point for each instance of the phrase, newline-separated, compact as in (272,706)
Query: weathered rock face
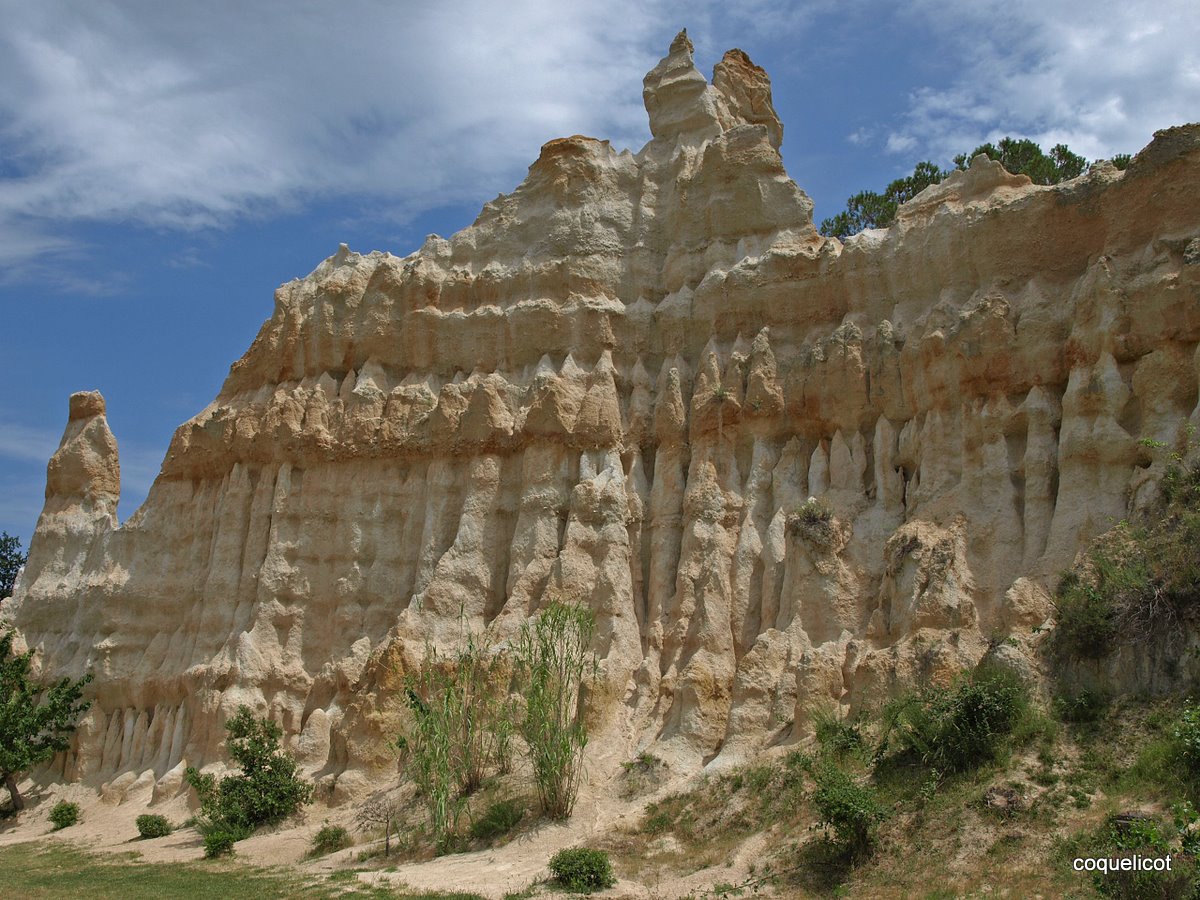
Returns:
(617,387)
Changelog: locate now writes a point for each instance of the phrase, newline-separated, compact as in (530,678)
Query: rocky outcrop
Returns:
(618,387)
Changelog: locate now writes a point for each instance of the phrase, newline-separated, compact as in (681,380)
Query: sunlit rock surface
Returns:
(616,388)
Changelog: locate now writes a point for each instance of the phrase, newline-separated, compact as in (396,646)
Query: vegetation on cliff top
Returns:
(870,209)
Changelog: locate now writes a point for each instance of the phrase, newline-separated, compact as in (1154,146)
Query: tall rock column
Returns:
(83,485)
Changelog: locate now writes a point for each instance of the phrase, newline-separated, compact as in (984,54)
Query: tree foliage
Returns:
(267,790)
(869,209)
(11,560)
(36,720)
(1024,157)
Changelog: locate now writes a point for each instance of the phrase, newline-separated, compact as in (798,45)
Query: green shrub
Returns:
(1186,737)
(582,869)
(219,839)
(1143,580)
(961,727)
(1085,621)
(266,791)
(1083,707)
(847,809)
(501,817)
(835,734)
(329,839)
(813,520)
(150,826)
(64,814)
(1125,836)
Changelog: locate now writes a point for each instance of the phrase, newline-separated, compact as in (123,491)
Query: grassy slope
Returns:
(39,870)
(1007,829)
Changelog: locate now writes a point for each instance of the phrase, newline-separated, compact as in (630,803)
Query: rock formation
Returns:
(618,387)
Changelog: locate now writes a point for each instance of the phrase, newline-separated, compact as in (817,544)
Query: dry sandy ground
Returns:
(109,827)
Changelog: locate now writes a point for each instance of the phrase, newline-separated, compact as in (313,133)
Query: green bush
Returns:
(582,869)
(64,814)
(847,809)
(219,839)
(835,734)
(150,826)
(1125,836)
(958,728)
(1083,707)
(1142,583)
(1186,737)
(329,839)
(813,520)
(1085,621)
(266,791)
(501,817)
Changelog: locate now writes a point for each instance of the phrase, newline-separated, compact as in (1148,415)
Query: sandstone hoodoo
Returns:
(620,387)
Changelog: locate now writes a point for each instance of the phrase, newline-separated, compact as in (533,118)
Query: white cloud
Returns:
(1100,76)
(189,116)
(24,443)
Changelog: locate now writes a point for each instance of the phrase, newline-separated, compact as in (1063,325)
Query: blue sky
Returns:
(163,167)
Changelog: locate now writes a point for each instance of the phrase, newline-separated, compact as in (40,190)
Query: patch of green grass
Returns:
(36,871)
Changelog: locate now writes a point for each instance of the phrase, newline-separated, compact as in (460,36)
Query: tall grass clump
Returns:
(835,734)
(554,658)
(460,729)
(813,520)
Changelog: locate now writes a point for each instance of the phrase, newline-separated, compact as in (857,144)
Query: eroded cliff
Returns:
(618,387)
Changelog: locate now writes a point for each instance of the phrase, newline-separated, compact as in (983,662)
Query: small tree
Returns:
(868,209)
(380,813)
(11,560)
(36,721)
(553,654)
(849,811)
(268,789)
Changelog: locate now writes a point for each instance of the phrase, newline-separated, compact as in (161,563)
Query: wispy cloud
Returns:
(195,116)
(1100,75)
(25,443)
(192,116)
